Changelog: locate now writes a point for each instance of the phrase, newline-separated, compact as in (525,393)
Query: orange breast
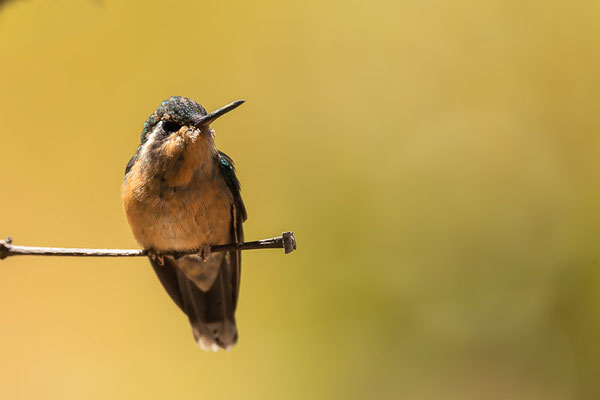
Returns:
(186,207)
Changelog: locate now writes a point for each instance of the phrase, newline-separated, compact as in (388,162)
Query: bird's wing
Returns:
(238,216)
(228,172)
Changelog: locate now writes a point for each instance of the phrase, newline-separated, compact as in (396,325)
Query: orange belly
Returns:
(179,218)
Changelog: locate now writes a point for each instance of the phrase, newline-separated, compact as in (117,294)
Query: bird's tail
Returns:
(211,312)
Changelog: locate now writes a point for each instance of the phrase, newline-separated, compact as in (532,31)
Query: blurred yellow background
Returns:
(437,161)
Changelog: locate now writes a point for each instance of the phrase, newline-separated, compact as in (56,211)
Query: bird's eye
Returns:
(170,126)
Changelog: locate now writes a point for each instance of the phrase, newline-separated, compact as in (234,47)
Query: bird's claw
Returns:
(205,253)
(156,257)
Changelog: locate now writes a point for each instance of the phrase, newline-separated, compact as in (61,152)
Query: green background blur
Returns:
(437,161)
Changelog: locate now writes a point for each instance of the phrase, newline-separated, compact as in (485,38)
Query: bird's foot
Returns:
(205,253)
(156,257)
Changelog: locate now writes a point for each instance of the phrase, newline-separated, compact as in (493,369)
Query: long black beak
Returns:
(210,117)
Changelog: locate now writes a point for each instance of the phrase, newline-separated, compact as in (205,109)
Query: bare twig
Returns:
(7,249)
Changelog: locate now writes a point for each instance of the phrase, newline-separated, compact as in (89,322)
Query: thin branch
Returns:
(286,241)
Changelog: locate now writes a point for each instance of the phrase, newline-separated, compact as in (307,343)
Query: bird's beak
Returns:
(207,119)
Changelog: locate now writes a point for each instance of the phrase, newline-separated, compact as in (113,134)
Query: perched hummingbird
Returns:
(181,193)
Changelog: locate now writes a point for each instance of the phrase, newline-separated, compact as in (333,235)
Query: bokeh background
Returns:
(438,162)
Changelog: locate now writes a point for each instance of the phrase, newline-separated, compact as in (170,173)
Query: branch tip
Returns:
(289,242)
(4,251)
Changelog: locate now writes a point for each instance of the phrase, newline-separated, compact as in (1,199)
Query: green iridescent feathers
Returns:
(228,171)
(177,109)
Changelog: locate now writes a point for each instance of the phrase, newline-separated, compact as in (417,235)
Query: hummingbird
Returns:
(181,193)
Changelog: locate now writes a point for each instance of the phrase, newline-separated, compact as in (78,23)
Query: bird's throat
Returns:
(186,157)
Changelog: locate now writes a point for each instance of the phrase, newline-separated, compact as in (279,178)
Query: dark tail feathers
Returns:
(211,313)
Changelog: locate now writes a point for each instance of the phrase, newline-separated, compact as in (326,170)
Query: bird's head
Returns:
(178,123)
